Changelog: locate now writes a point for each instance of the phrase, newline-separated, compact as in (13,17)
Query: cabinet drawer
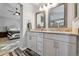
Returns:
(33,34)
(60,37)
(36,34)
(40,35)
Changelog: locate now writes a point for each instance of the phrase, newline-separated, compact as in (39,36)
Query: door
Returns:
(49,49)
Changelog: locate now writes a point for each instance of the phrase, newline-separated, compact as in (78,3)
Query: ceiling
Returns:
(38,4)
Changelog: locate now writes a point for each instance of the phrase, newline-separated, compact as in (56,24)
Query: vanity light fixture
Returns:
(54,4)
(40,8)
(50,3)
(48,6)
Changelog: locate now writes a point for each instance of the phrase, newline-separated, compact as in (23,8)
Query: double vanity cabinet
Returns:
(46,42)
(52,44)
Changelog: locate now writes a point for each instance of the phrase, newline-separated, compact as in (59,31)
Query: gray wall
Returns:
(7,18)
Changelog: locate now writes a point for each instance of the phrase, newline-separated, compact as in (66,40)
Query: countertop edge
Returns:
(56,32)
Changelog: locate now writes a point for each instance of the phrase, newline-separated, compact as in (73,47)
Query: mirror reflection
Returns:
(40,20)
(57,16)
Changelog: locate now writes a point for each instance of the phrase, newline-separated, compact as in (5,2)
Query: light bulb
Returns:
(40,8)
(54,4)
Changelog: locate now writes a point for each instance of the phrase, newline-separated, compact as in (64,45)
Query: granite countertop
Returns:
(56,32)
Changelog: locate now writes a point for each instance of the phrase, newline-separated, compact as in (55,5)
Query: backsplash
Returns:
(75,25)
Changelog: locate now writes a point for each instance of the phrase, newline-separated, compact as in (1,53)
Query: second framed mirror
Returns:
(40,19)
(58,16)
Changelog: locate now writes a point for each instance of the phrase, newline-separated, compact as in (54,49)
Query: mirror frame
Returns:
(65,15)
(75,9)
(36,18)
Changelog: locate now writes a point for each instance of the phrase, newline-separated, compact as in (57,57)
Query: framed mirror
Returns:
(58,16)
(40,19)
(76,9)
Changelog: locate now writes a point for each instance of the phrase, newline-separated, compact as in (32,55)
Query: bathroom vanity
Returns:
(51,43)
(57,42)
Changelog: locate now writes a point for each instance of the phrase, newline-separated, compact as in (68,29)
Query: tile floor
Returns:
(7,45)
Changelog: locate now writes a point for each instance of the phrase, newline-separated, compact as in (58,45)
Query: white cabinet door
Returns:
(61,49)
(65,49)
(72,50)
(33,43)
(49,49)
(39,45)
(58,48)
(28,40)
(54,48)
